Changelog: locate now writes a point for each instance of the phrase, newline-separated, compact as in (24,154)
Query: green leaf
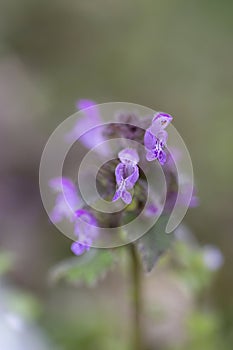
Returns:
(86,269)
(154,243)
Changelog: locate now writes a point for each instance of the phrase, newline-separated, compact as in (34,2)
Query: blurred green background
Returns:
(175,56)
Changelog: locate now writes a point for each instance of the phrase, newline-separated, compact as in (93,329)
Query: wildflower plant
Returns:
(130,184)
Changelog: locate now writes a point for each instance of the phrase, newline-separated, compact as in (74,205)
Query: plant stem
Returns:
(136,298)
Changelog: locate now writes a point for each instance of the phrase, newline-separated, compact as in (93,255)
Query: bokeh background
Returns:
(174,56)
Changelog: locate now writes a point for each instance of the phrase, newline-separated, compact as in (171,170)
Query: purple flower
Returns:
(85,225)
(79,248)
(66,206)
(127,174)
(212,257)
(88,128)
(160,122)
(85,230)
(67,200)
(151,210)
(155,138)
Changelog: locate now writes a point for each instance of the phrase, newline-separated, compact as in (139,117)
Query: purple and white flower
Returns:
(155,138)
(67,200)
(79,248)
(85,230)
(126,174)
(88,128)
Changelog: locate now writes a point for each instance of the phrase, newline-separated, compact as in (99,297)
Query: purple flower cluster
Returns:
(122,176)
(127,172)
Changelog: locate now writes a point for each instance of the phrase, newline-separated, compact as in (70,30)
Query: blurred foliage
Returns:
(154,243)
(6,262)
(91,335)
(203,332)
(87,269)
(189,266)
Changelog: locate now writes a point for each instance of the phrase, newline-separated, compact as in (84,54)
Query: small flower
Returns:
(212,257)
(79,248)
(155,138)
(88,128)
(127,174)
(85,230)
(67,200)
(85,225)
(160,122)
(151,210)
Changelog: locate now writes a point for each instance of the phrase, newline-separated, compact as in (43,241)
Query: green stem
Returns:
(137,298)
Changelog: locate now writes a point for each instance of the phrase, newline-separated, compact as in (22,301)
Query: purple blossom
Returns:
(155,138)
(151,210)
(67,200)
(212,257)
(126,174)
(119,176)
(160,122)
(79,248)
(85,230)
(88,127)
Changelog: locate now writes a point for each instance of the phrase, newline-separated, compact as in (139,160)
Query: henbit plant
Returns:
(120,179)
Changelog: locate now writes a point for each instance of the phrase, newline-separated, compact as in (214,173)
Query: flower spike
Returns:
(127,174)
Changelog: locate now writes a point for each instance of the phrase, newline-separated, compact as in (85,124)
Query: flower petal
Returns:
(162,137)
(133,178)
(116,196)
(85,225)
(150,156)
(149,140)
(162,157)
(88,128)
(78,248)
(128,155)
(160,122)
(119,173)
(67,200)
(126,197)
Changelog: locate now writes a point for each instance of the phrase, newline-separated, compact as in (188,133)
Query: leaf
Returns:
(87,269)
(154,243)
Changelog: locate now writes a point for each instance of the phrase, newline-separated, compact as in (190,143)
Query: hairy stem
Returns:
(136,298)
